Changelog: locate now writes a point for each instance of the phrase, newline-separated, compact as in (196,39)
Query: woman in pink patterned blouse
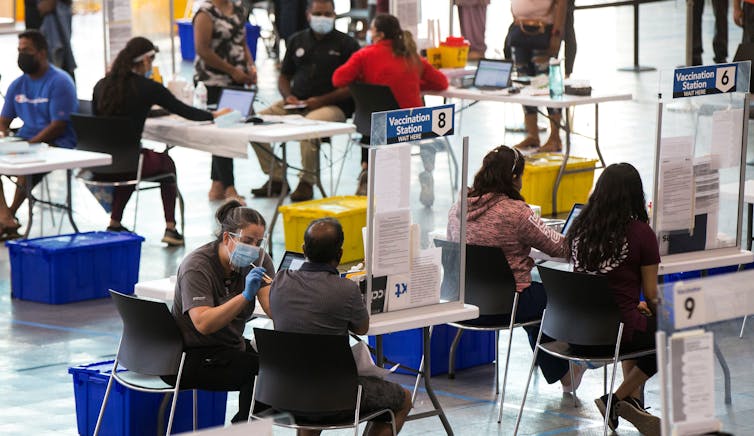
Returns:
(498,216)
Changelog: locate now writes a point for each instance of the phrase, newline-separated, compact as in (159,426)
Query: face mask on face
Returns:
(243,255)
(148,74)
(322,25)
(28,63)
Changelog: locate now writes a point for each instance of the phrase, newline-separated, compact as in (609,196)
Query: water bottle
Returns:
(200,96)
(556,79)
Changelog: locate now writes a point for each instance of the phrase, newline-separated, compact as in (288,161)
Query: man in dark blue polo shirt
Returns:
(315,299)
(305,83)
(43,98)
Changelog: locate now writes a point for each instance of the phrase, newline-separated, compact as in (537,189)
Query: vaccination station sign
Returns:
(704,80)
(415,124)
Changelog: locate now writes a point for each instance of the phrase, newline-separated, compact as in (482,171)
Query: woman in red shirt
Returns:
(392,60)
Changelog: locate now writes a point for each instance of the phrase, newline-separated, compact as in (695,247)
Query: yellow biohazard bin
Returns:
(351,211)
(539,179)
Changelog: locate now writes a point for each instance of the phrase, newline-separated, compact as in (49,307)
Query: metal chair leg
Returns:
(182,208)
(497,362)
(452,354)
(528,381)
(508,355)
(104,400)
(195,415)
(573,383)
(743,325)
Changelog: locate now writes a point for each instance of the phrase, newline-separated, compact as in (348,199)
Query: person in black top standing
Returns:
(126,91)
(311,57)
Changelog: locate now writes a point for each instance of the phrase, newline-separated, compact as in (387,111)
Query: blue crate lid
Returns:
(103,368)
(74,240)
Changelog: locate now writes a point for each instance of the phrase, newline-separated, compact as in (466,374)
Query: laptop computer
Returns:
(575,211)
(292,261)
(493,74)
(239,99)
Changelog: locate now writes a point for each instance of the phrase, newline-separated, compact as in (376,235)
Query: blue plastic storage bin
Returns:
(131,412)
(475,348)
(81,266)
(186,36)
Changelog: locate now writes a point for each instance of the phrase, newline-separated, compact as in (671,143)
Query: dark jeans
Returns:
(569,38)
(720,40)
(222,167)
(525,65)
(221,369)
(531,304)
(748,35)
(153,163)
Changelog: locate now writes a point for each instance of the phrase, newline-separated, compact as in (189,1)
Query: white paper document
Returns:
(676,186)
(426,274)
(727,128)
(391,242)
(692,380)
(392,176)
(676,147)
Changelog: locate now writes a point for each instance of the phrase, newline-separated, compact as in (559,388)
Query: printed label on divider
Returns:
(415,124)
(689,308)
(704,80)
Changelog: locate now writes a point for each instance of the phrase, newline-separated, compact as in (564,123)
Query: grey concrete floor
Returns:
(38,342)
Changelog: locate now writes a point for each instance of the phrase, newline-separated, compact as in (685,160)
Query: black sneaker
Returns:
(172,238)
(633,411)
(118,228)
(601,403)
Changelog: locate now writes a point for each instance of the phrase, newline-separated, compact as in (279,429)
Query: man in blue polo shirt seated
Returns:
(315,299)
(43,98)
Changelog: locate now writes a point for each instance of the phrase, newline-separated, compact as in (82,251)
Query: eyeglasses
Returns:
(250,240)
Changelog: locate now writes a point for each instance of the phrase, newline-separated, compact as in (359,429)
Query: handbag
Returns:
(530,34)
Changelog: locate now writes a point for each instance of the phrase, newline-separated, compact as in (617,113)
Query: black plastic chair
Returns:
(151,346)
(580,310)
(117,137)
(491,287)
(309,376)
(370,98)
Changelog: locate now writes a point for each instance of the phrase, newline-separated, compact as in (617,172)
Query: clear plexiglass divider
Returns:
(411,260)
(700,160)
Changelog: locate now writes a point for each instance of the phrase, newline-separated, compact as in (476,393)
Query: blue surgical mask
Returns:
(148,74)
(243,255)
(322,25)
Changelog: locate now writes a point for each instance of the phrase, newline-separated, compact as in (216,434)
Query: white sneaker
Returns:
(427,195)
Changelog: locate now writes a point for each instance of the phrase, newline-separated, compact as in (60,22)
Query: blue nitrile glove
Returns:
(253,283)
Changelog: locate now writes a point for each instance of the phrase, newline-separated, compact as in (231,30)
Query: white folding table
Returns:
(47,159)
(566,102)
(234,141)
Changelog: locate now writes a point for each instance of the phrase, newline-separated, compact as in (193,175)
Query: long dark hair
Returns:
(232,217)
(119,81)
(497,171)
(402,41)
(600,229)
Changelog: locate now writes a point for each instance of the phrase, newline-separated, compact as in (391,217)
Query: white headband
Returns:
(141,58)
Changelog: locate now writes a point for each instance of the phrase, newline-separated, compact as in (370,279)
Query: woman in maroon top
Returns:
(612,236)
(392,60)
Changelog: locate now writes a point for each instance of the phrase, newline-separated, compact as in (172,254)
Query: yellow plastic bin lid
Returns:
(331,206)
(548,161)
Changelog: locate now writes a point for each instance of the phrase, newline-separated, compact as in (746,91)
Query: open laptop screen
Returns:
(292,261)
(241,100)
(575,211)
(491,73)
